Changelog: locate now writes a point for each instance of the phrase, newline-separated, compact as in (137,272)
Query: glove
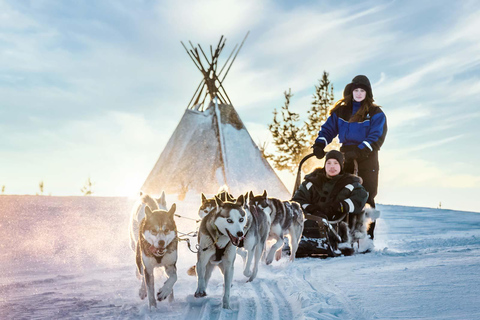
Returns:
(357,153)
(363,153)
(318,150)
(336,210)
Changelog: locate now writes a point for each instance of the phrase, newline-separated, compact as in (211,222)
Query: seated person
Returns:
(331,194)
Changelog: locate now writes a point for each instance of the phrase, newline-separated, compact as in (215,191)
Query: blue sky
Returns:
(95,88)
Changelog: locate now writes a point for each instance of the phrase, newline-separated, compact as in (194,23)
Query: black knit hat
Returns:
(337,155)
(359,81)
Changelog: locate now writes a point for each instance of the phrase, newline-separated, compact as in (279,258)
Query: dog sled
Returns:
(331,233)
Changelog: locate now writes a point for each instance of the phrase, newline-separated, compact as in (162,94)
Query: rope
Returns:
(196,220)
(189,244)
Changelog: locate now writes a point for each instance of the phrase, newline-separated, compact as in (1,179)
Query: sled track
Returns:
(209,308)
(332,302)
(260,299)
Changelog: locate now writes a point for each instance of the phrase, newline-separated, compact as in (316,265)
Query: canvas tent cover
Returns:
(209,149)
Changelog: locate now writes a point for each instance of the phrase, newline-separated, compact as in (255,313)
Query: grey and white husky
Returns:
(221,231)
(138,213)
(287,220)
(256,233)
(155,244)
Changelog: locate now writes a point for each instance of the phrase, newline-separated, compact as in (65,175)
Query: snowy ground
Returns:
(68,258)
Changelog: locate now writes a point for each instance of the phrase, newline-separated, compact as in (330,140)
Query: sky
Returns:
(96,88)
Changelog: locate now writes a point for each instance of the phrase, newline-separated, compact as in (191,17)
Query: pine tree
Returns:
(323,99)
(293,142)
(289,139)
(262,147)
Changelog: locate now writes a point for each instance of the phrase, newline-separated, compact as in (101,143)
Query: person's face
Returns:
(359,94)
(332,167)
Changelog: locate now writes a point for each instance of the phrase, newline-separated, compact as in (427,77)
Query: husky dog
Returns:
(256,233)
(208,205)
(220,232)
(287,219)
(156,246)
(138,213)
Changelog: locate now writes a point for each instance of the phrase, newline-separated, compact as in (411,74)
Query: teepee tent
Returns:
(211,146)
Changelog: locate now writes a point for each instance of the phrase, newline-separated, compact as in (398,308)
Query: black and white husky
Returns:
(155,246)
(287,219)
(256,233)
(221,231)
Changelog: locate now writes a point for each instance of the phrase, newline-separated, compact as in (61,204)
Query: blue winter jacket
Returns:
(367,134)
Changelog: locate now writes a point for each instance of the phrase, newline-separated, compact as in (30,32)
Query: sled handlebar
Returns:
(299,172)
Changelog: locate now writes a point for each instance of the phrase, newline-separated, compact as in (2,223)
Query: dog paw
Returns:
(268,261)
(142,293)
(163,293)
(278,255)
(226,305)
(247,273)
(200,294)
(152,304)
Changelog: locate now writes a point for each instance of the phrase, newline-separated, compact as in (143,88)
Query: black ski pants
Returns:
(368,170)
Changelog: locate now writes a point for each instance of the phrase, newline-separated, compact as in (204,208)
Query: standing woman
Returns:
(361,127)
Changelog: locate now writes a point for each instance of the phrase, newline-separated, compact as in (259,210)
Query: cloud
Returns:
(404,116)
(402,168)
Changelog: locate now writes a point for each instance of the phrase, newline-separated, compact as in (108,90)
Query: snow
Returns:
(69,258)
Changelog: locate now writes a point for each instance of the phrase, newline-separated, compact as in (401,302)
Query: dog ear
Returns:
(264,194)
(218,201)
(230,197)
(161,201)
(148,211)
(251,195)
(172,210)
(204,199)
(240,200)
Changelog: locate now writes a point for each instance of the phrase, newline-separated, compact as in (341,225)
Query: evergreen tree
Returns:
(322,100)
(262,146)
(293,142)
(289,139)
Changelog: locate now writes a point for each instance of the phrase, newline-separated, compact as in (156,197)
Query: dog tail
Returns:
(150,202)
(192,271)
